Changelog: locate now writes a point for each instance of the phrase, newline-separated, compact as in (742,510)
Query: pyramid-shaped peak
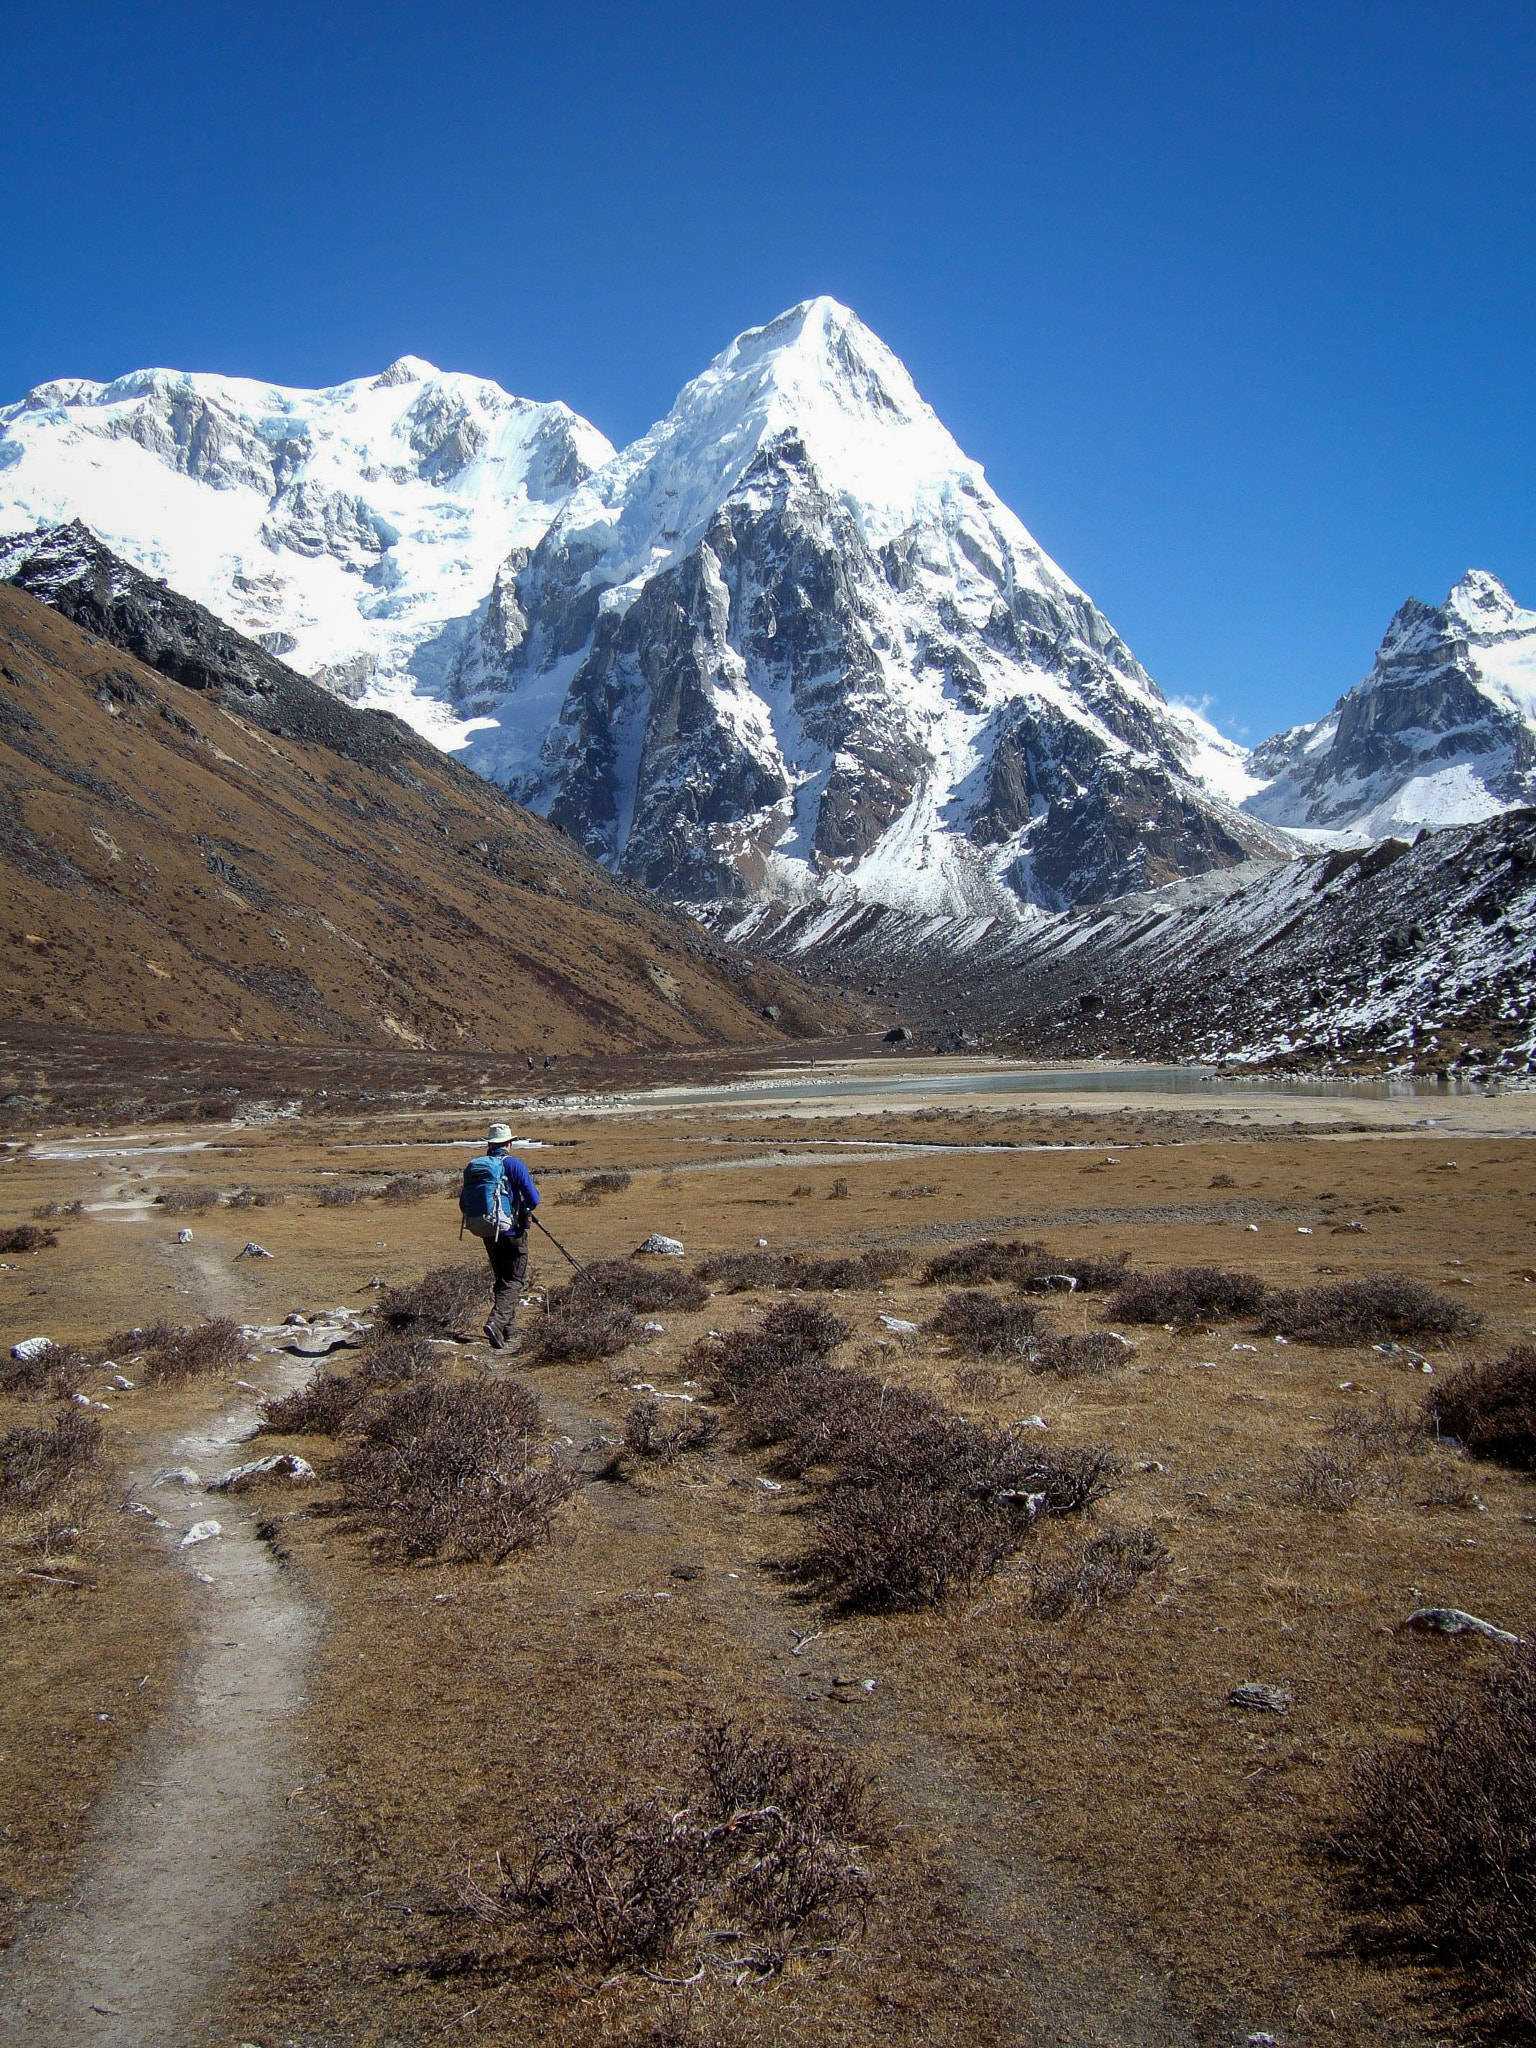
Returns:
(822,348)
(405,370)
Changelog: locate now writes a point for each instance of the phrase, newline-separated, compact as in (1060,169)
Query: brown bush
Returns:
(665,1430)
(838,1192)
(1380,1430)
(36,1464)
(340,1194)
(1436,1847)
(635,1284)
(187,1201)
(318,1408)
(744,1360)
(579,1331)
(1388,1305)
(1330,1481)
(1186,1294)
(1094,1273)
(1078,1355)
(1111,1567)
(392,1356)
(416,1187)
(439,1304)
(26,1237)
(738,1271)
(447,1468)
(45,1211)
(986,1259)
(762,1839)
(1491,1408)
(175,1351)
(253,1198)
(57,1371)
(981,1326)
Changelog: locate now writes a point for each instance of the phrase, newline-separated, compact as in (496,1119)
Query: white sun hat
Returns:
(499,1134)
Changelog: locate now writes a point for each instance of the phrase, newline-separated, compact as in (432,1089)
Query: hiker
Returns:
(496,1199)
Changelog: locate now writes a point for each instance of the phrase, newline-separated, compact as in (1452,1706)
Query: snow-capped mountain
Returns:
(350,530)
(1441,732)
(790,643)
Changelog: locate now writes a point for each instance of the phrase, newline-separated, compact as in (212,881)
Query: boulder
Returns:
(31,1348)
(280,1465)
(1261,1699)
(661,1247)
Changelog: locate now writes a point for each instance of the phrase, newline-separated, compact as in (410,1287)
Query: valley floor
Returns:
(248,1778)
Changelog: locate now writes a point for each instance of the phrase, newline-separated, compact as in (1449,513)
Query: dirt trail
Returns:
(1041,1960)
(187,1845)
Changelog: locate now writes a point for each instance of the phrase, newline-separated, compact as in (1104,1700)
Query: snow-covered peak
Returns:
(1482,601)
(350,529)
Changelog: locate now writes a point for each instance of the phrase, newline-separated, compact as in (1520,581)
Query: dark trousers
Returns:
(509,1272)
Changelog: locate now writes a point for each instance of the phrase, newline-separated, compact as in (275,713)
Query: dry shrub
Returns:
(986,1259)
(340,1194)
(36,1464)
(1367,1311)
(1080,1354)
(447,1468)
(1093,1273)
(762,1840)
(612,1180)
(187,1201)
(666,1429)
(1381,1430)
(47,1211)
(438,1304)
(1437,1845)
(1186,1294)
(252,1198)
(1110,1568)
(415,1187)
(983,1327)
(911,1191)
(635,1284)
(853,1271)
(393,1356)
(58,1371)
(318,1408)
(838,1192)
(579,1330)
(176,1351)
(1491,1408)
(1328,1480)
(26,1237)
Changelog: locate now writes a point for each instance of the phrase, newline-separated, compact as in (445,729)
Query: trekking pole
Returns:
(559,1247)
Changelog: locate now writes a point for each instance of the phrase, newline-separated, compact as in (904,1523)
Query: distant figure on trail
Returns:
(496,1199)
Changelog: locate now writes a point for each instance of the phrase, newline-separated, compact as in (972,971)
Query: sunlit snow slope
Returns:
(790,644)
(349,530)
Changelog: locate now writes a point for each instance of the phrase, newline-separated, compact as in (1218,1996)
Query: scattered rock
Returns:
(661,1247)
(252,1250)
(898,1035)
(899,1327)
(281,1465)
(1452,1621)
(200,1532)
(296,1319)
(122,1386)
(179,1475)
(686,1571)
(138,1507)
(183,1236)
(772,1012)
(1262,1699)
(30,1348)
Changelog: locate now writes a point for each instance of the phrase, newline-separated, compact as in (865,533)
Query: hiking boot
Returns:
(495,1335)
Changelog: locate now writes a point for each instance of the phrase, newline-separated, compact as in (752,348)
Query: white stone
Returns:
(661,1247)
(200,1532)
(30,1348)
(280,1465)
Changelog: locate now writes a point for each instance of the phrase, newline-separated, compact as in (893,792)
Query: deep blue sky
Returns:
(1234,302)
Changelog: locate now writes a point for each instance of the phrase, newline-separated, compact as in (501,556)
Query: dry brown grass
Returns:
(985,1259)
(1079,1354)
(1369,1311)
(594,1186)
(1111,1566)
(187,1201)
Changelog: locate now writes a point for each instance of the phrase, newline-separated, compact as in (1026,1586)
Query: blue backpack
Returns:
(485,1199)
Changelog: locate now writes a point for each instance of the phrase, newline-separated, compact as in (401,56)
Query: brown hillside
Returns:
(170,866)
